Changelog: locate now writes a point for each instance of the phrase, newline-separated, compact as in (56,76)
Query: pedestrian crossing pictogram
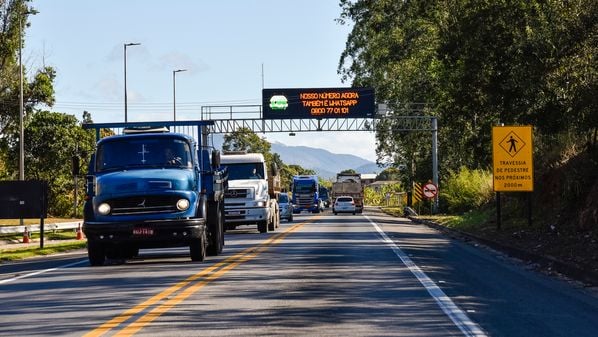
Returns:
(512,144)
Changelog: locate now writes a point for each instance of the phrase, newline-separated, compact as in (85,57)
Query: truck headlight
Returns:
(260,204)
(104,209)
(182,204)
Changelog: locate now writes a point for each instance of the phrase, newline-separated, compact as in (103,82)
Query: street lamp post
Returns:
(174,91)
(21,110)
(125,47)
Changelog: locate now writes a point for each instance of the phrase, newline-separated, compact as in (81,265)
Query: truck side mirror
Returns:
(92,164)
(215,159)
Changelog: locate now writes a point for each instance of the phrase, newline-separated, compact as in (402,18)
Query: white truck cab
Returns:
(249,198)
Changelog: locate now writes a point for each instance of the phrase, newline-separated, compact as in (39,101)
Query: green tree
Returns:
(37,86)
(348,171)
(52,139)
(390,173)
(244,139)
(476,63)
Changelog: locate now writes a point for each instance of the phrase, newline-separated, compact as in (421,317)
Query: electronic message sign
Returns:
(318,103)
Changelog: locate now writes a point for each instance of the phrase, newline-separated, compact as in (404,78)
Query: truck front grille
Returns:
(236,193)
(144,204)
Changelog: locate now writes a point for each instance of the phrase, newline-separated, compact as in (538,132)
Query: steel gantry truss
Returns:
(233,117)
(230,118)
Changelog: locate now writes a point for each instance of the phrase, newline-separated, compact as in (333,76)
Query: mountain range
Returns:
(325,163)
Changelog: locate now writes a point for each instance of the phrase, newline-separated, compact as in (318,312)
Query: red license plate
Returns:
(143,231)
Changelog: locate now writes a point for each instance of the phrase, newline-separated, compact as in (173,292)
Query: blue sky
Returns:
(222,44)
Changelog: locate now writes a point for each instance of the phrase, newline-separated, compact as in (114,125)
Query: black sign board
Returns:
(318,103)
(23,199)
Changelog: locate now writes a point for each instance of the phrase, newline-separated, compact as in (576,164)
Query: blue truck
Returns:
(306,197)
(151,188)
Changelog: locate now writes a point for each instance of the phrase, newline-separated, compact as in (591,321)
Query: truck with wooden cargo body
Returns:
(152,188)
(348,184)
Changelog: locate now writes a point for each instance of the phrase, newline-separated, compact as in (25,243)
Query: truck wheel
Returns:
(96,253)
(216,228)
(197,248)
(262,226)
(132,252)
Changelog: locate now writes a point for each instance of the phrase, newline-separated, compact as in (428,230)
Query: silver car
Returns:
(344,204)
(286,207)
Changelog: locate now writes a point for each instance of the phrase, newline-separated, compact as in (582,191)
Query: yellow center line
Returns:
(208,274)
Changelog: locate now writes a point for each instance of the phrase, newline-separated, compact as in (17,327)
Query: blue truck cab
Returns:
(306,197)
(151,188)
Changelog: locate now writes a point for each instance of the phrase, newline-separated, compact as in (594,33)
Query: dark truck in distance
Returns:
(150,188)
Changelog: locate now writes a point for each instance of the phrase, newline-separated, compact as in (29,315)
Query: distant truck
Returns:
(252,189)
(151,188)
(348,184)
(324,196)
(306,195)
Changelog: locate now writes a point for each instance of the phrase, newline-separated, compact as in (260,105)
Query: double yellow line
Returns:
(205,276)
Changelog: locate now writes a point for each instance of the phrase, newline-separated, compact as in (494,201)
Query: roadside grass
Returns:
(13,254)
(17,222)
(473,221)
(49,235)
(19,253)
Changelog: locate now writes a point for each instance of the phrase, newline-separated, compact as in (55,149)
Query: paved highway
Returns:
(322,275)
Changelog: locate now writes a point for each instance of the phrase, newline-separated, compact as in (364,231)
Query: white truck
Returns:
(251,194)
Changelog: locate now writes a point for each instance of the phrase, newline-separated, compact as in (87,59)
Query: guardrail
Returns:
(36,227)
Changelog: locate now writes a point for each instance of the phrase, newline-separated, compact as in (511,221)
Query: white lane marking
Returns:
(42,271)
(464,323)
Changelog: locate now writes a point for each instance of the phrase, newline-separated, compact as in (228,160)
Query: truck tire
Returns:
(262,226)
(216,228)
(197,248)
(132,252)
(96,253)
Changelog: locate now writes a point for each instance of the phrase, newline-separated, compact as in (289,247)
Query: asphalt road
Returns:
(321,275)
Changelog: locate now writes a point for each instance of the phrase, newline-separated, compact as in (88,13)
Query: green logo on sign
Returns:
(278,102)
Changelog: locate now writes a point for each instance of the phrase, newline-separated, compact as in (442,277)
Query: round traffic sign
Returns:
(430,190)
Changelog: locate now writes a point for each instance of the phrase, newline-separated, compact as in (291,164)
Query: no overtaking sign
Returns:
(430,190)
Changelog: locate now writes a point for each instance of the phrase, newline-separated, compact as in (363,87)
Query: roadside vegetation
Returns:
(13,254)
(478,64)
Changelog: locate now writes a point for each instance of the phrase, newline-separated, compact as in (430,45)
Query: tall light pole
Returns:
(125,46)
(174,90)
(21,110)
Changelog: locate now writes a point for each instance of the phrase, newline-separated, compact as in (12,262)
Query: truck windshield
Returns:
(245,171)
(304,186)
(143,152)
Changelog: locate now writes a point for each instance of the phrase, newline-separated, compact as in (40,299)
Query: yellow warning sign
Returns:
(512,153)
(417,192)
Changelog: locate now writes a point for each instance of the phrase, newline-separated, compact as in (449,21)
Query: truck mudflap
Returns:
(148,233)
